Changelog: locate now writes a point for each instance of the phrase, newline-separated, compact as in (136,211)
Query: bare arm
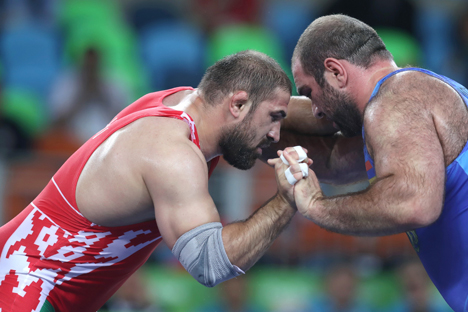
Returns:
(300,119)
(410,171)
(247,241)
(336,159)
(178,184)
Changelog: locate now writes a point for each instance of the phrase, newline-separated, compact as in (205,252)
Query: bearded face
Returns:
(238,146)
(343,110)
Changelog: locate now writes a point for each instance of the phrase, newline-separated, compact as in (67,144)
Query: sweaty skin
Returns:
(410,159)
(336,159)
(169,179)
(414,128)
(144,178)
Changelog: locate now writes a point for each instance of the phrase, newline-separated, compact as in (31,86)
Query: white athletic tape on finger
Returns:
(304,169)
(300,153)
(290,177)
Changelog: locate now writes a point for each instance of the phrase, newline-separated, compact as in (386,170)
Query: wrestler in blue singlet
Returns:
(443,245)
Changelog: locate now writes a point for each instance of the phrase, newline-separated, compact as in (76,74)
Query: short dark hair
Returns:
(341,37)
(251,71)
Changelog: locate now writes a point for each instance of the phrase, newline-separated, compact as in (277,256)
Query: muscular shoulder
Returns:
(416,102)
(411,92)
(148,144)
(163,142)
(404,99)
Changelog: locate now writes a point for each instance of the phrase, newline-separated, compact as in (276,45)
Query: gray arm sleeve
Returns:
(201,252)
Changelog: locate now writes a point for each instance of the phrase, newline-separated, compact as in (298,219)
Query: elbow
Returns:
(423,213)
(202,254)
(211,278)
(207,281)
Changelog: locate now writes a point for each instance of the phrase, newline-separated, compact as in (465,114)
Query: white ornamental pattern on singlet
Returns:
(51,252)
(75,254)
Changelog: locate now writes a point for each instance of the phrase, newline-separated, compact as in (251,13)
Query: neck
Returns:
(208,121)
(377,72)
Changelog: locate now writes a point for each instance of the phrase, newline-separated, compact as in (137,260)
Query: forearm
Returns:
(245,242)
(301,119)
(354,215)
(385,208)
(336,159)
(339,161)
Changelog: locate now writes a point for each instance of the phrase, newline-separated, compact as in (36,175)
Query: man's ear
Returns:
(238,103)
(335,73)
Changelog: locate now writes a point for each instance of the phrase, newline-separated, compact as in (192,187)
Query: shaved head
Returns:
(341,37)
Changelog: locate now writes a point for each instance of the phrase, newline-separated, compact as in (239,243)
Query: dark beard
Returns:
(346,115)
(234,144)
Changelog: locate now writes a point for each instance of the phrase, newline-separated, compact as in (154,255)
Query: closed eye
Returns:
(278,116)
(275,118)
(305,91)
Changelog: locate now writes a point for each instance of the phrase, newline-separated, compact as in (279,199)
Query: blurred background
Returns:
(67,67)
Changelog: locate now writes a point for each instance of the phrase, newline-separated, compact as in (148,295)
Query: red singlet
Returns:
(52,255)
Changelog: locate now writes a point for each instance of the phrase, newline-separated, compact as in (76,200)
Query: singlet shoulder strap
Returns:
(381,81)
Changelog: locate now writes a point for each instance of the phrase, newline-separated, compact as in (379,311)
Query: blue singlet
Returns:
(443,245)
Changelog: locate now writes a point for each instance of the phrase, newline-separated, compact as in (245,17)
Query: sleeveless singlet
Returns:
(443,245)
(53,257)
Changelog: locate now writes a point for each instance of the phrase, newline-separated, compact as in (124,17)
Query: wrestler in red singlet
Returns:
(53,257)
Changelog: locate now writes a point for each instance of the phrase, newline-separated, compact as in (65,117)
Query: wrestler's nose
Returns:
(317,112)
(274,134)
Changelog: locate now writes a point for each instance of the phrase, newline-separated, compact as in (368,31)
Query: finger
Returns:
(272,161)
(289,158)
(307,161)
(301,154)
(296,172)
(304,169)
(297,152)
(299,170)
(291,151)
(290,177)
(308,188)
(284,160)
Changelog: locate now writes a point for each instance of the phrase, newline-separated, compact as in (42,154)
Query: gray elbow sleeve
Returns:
(201,252)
